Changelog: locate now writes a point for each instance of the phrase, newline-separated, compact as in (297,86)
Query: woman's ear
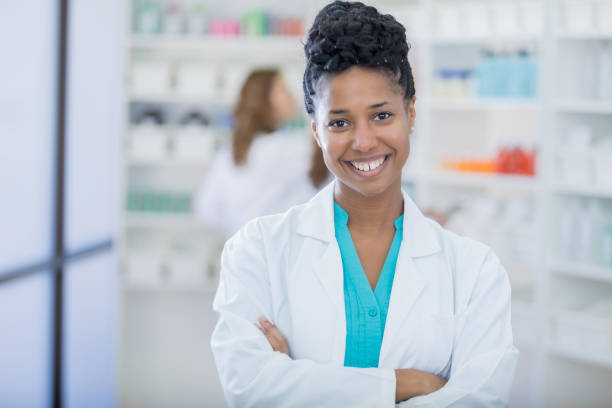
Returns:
(313,127)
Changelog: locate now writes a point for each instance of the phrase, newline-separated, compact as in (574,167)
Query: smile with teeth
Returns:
(368,166)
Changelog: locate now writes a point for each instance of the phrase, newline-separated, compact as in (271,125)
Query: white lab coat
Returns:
(449,315)
(273,179)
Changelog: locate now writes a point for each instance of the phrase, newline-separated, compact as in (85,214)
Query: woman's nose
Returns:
(364,140)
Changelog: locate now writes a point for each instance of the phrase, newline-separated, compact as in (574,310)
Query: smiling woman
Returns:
(355,298)
(363,131)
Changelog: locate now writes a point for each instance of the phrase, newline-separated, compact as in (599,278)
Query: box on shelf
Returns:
(194,142)
(198,80)
(144,270)
(585,328)
(602,167)
(579,16)
(186,271)
(604,16)
(150,78)
(233,78)
(148,142)
(505,18)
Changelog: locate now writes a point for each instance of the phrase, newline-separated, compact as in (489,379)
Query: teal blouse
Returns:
(366,310)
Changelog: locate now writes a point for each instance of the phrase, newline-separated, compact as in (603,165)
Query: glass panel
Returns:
(27,128)
(26,341)
(90,332)
(94,120)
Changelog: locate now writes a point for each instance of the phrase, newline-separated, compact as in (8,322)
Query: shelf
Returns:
(178,99)
(524,323)
(484,40)
(595,36)
(484,104)
(161,221)
(218,46)
(169,162)
(169,289)
(581,355)
(584,106)
(593,272)
(482,180)
(587,191)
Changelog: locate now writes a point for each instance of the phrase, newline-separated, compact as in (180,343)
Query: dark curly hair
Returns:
(345,34)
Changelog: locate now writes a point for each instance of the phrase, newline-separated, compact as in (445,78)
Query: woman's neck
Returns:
(370,213)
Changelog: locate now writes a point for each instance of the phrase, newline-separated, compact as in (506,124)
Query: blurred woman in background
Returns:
(265,170)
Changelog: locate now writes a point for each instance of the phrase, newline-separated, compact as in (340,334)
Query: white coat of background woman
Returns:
(266,169)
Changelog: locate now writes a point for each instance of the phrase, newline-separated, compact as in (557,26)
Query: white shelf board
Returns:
(170,289)
(593,272)
(178,99)
(517,38)
(584,106)
(524,323)
(219,46)
(581,355)
(160,220)
(169,162)
(587,191)
(482,180)
(483,104)
(596,36)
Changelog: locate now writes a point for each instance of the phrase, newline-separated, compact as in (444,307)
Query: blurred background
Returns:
(118,122)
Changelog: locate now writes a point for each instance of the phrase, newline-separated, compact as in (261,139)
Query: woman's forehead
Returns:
(357,85)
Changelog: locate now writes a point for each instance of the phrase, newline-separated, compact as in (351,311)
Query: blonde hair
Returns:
(252,113)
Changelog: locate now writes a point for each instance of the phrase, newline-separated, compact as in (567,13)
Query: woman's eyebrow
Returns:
(337,111)
(343,111)
(378,105)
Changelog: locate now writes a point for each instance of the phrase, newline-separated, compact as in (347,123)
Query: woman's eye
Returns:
(338,123)
(382,116)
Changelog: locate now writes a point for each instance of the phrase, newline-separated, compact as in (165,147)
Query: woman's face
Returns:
(362,124)
(281,101)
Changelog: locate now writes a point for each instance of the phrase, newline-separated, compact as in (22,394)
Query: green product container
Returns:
(182,203)
(607,245)
(131,201)
(148,201)
(165,202)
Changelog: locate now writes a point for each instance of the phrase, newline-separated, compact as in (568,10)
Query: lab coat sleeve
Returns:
(484,357)
(251,373)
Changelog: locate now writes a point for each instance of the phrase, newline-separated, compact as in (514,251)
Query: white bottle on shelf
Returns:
(585,235)
(606,242)
(568,227)
(597,223)
(605,71)
(604,16)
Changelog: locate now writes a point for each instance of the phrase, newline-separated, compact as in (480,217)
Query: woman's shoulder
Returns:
(266,229)
(465,255)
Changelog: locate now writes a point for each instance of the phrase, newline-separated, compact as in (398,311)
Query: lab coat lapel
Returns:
(407,287)
(317,222)
(329,272)
(418,240)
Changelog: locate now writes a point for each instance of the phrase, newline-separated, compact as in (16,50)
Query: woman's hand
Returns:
(411,383)
(274,336)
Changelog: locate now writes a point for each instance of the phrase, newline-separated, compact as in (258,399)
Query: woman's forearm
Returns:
(411,383)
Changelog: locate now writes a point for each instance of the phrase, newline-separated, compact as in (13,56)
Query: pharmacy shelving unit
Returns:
(579,281)
(553,371)
(221,54)
(169,260)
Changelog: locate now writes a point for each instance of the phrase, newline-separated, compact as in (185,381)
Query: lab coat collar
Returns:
(317,221)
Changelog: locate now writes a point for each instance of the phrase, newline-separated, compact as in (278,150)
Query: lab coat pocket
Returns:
(436,344)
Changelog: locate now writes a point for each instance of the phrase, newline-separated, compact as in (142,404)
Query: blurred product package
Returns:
(153,17)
